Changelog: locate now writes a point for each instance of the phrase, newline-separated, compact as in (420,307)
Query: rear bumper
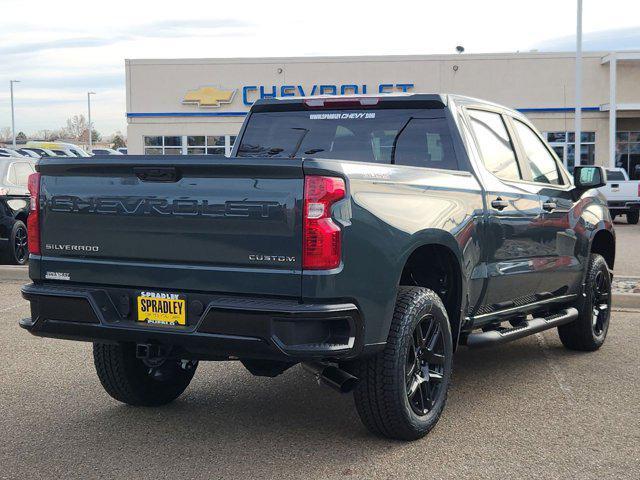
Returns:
(218,326)
(624,205)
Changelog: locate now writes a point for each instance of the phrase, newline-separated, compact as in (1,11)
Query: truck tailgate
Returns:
(186,222)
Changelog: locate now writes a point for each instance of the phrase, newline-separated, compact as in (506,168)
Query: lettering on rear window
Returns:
(342,116)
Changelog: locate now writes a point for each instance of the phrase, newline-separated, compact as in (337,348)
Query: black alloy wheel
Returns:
(424,368)
(20,245)
(601,303)
(589,331)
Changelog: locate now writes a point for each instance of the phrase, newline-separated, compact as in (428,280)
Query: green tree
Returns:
(118,141)
(21,137)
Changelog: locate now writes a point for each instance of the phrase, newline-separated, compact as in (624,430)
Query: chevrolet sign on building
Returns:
(196,106)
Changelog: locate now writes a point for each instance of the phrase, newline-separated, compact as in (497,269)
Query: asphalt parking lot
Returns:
(529,409)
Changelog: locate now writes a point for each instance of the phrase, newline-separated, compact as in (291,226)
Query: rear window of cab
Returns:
(419,138)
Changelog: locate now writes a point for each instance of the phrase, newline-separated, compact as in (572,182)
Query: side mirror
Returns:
(589,176)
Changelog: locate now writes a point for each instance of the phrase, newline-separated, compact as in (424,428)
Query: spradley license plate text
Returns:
(161,308)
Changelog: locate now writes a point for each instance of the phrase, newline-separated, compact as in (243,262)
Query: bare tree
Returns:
(5,134)
(76,127)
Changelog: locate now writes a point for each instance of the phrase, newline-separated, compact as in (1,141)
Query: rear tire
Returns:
(633,217)
(403,389)
(17,252)
(130,380)
(589,331)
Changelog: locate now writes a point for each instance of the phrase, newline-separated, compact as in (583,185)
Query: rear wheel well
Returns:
(436,267)
(604,244)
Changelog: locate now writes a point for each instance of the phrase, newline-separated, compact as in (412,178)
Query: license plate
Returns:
(162,308)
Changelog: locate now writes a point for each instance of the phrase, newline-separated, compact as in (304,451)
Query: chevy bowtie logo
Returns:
(208,97)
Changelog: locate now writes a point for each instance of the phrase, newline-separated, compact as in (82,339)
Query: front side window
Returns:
(542,164)
(495,145)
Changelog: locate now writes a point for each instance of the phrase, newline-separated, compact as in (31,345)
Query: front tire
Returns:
(403,389)
(130,380)
(589,331)
(633,217)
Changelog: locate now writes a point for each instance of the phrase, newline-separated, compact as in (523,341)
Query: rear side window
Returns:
(615,175)
(542,164)
(495,145)
(19,173)
(425,143)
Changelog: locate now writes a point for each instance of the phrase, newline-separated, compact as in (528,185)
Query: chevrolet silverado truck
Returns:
(364,237)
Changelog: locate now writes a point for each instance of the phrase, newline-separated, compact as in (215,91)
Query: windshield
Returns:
(400,136)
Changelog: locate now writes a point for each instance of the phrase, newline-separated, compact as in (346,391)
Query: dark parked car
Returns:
(14,208)
(364,237)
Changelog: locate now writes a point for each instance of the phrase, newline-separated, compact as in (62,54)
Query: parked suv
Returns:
(364,237)
(14,208)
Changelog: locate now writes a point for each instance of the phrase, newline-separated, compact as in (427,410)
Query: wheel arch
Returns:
(604,243)
(437,249)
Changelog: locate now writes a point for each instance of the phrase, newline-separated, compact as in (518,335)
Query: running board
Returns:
(535,325)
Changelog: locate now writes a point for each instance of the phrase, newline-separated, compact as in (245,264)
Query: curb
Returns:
(625,300)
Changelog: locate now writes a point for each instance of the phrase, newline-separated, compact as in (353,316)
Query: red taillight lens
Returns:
(33,221)
(321,249)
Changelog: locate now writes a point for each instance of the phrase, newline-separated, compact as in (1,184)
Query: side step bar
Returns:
(535,325)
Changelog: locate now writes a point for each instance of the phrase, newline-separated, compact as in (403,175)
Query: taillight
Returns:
(639,189)
(321,249)
(33,221)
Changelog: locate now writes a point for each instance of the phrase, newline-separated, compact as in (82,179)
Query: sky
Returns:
(61,50)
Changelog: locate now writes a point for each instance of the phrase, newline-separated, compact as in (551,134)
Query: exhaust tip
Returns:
(333,377)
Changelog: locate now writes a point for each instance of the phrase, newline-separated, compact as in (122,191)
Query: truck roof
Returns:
(436,99)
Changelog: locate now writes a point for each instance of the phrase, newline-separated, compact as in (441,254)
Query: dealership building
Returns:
(196,106)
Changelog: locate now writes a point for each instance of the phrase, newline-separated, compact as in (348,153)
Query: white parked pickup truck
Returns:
(623,195)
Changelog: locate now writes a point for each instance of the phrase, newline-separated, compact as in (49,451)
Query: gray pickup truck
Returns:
(363,237)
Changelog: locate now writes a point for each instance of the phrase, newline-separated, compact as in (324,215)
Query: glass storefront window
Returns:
(628,153)
(153,141)
(215,151)
(556,136)
(587,157)
(622,136)
(189,145)
(585,137)
(218,141)
(565,149)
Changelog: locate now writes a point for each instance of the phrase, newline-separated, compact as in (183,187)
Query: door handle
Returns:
(499,204)
(549,206)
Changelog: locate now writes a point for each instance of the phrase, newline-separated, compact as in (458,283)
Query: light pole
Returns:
(578,114)
(89,111)
(13,115)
